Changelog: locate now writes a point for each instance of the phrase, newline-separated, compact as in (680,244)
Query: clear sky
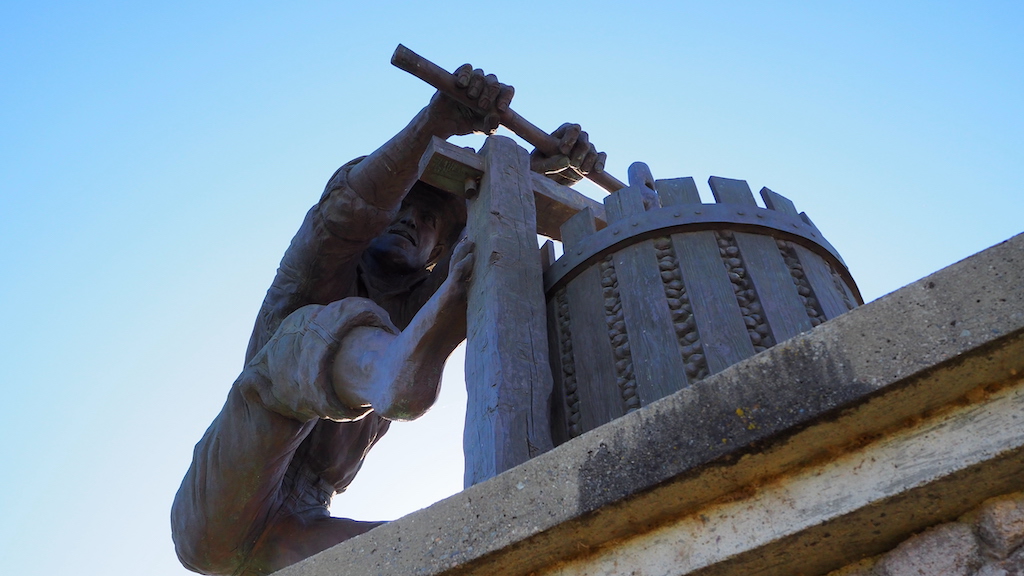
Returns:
(155,159)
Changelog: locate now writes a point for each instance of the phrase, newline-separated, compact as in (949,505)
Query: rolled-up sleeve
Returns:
(298,359)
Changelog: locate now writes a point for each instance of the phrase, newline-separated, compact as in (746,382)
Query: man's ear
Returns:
(436,253)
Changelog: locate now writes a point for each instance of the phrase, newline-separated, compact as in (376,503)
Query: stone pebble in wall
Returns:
(988,541)
(1001,525)
(951,549)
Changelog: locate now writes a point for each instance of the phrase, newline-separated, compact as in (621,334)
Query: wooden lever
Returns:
(441,79)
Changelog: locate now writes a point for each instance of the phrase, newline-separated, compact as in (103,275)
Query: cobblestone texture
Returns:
(988,541)
(949,550)
(1001,525)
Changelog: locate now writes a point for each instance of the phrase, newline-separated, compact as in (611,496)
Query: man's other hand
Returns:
(460,269)
(577,158)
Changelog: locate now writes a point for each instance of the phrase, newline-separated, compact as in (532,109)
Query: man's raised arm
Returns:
(384,177)
(361,200)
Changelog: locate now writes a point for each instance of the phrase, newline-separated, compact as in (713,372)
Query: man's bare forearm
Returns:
(397,375)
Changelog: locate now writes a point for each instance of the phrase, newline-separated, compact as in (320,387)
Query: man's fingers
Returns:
(462,259)
(462,75)
(464,268)
(476,84)
(580,149)
(548,164)
(463,247)
(589,160)
(599,163)
(504,98)
(490,92)
(567,139)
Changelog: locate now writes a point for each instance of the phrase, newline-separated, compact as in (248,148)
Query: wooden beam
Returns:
(448,167)
(557,203)
(508,376)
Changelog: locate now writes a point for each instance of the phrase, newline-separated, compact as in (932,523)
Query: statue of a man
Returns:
(368,302)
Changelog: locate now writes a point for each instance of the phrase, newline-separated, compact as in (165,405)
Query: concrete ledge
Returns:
(871,426)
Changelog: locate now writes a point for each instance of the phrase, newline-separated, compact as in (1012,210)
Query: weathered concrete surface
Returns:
(942,355)
(842,507)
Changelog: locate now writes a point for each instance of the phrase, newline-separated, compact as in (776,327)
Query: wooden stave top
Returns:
(693,218)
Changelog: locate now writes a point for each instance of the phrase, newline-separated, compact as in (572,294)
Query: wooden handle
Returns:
(441,79)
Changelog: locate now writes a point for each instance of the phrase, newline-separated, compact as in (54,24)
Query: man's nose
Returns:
(409,218)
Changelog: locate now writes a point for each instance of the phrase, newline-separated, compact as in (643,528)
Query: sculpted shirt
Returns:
(255,498)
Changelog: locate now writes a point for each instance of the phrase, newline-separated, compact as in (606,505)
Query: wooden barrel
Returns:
(666,295)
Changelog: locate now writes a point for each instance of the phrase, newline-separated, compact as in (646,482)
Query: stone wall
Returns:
(986,541)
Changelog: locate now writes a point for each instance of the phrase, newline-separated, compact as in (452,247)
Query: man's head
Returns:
(428,222)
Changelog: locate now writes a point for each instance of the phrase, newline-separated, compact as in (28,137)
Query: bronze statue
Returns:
(367,304)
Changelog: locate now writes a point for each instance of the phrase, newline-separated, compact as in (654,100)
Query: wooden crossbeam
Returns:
(457,170)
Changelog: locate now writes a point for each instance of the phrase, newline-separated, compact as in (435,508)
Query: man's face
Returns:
(410,242)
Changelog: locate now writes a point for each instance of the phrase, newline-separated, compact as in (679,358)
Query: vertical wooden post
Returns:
(508,378)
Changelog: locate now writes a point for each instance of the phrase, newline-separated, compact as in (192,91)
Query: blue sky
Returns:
(155,160)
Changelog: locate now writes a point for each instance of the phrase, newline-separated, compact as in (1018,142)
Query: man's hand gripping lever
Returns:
(583,160)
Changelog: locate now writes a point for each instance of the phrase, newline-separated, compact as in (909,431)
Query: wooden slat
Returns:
(773,283)
(820,278)
(547,255)
(559,423)
(855,299)
(508,379)
(818,274)
(676,191)
(729,191)
(815,269)
(652,338)
(807,220)
(600,397)
(723,333)
(778,202)
(576,229)
(621,205)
